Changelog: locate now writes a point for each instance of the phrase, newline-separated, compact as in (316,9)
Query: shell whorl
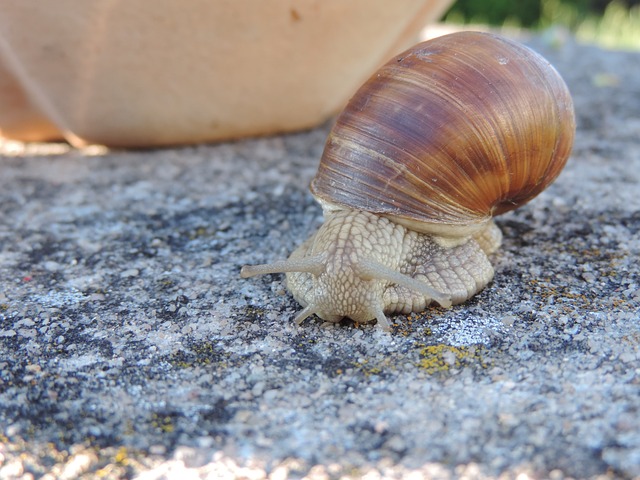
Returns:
(451,132)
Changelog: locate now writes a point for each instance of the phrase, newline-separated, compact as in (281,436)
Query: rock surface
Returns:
(129,346)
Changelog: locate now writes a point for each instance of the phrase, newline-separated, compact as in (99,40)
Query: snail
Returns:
(441,139)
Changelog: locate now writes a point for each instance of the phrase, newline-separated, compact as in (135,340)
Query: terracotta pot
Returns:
(141,73)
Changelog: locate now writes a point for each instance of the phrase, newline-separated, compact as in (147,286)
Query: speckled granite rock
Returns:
(130,346)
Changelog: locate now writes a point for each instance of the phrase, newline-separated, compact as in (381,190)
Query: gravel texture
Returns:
(129,346)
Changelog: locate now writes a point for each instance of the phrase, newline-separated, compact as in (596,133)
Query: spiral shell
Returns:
(449,133)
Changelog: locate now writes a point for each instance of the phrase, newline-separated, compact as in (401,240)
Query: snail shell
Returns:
(439,140)
(450,133)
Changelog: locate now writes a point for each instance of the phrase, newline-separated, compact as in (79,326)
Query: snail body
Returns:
(437,142)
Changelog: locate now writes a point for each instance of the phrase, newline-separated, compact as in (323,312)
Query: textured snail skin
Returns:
(349,239)
(363,266)
(442,138)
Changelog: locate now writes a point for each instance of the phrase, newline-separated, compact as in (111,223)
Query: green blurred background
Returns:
(611,24)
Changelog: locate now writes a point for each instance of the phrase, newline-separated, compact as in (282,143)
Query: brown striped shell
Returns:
(450,133)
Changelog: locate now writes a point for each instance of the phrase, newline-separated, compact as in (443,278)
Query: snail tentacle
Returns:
(370,270)
(314,265)
(383,322)
(305,313)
